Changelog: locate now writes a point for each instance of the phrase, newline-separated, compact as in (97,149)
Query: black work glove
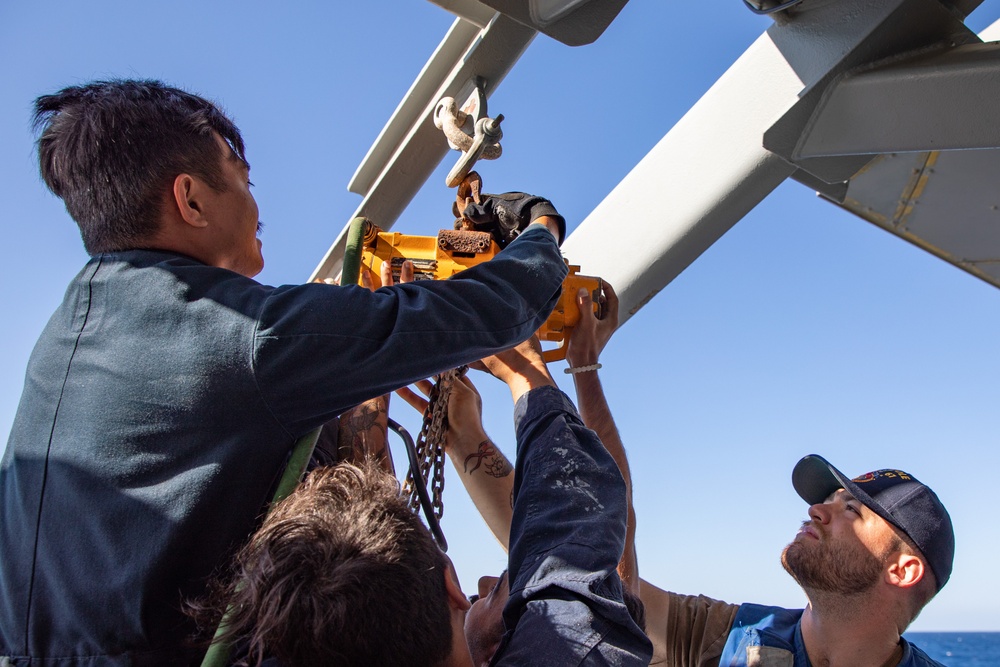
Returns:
(508,214)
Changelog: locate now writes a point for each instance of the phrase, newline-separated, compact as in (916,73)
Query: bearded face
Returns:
(833,566)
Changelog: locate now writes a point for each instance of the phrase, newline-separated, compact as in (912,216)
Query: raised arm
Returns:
(487,474)
(567,534)
(483,468)
(586,341)
(348,344)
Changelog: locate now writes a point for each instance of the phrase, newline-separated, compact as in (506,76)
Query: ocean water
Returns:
(959,649)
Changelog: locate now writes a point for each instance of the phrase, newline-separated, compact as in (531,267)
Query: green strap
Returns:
(351,270)
(219,651)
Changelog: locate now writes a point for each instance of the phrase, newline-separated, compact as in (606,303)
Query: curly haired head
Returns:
(341,573)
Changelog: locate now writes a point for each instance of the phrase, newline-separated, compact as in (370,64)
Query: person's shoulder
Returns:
(160,280)
(915,657)
(149,265)
(754,614)
(141,258)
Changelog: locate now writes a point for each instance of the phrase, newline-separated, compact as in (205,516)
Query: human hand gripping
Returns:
(405,275)
(583,350)
(588,338)
(465,415)
(507,215)
(483,468)
(521,367)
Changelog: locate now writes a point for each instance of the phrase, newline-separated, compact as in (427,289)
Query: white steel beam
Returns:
(700,179)
(711,169)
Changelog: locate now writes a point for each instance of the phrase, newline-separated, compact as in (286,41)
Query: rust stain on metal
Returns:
(458,240)
(914,189)
(469,190)
(865,212)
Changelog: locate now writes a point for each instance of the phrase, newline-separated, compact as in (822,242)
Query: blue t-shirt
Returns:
(772,637)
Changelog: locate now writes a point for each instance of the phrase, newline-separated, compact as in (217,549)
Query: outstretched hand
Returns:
(385,274)
(588,338)
(485,472)
(521,367)
(506,215)
(465,411)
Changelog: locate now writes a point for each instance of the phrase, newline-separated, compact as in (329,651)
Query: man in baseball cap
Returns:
(912,511)
(874,550)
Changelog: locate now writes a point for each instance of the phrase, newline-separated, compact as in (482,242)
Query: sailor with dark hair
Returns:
(163,397)
(110,149)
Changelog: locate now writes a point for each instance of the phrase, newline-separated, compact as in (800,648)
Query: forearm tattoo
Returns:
(494,463)
(363,431)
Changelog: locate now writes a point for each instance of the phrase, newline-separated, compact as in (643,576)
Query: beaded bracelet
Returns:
(582,369)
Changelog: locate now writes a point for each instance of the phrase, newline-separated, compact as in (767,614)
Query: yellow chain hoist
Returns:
(454,250)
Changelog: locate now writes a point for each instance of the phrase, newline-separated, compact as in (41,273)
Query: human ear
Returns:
(906,571)
(456,598)
(187,197)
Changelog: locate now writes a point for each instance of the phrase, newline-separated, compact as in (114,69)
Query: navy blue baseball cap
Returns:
(895,496)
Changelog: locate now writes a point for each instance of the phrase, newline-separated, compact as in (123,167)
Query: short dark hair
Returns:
(340,573)
(110,148)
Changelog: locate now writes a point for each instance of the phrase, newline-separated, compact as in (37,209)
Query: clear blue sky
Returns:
(803,330)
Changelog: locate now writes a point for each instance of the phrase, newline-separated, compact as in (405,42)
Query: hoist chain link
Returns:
(430,442)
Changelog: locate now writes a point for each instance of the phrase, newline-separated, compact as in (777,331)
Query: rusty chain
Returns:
(430,442)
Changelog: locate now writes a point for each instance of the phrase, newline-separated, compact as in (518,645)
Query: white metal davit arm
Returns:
(711,169)
(700,179)
(735,145)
